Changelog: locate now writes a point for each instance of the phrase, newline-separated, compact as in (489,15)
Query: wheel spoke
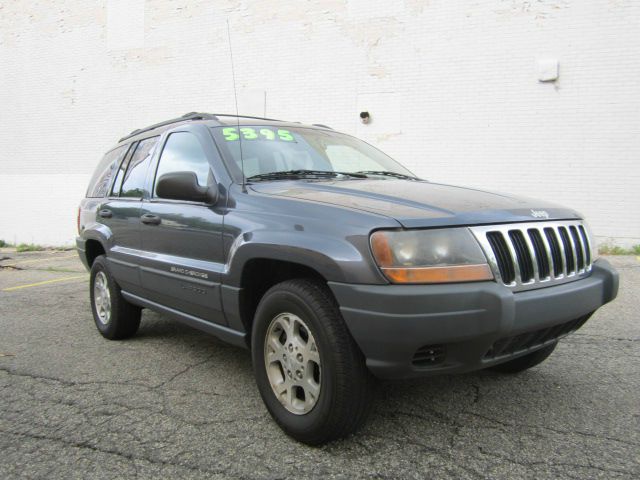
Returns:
(274,344)
(282,387)
(311,351)
(310,386)
(298,359)
(274,357)
(102,298)
(286,324)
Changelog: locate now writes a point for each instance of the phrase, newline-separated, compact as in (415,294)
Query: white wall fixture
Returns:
(547,69)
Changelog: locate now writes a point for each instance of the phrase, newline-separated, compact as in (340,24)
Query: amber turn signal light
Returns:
(455,273)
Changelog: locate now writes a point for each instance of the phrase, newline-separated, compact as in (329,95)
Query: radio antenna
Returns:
(235,95)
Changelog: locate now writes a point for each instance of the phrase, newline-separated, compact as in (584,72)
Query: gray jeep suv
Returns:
(330,261)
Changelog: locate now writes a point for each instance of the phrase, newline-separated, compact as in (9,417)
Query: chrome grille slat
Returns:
(563,251)
(523,255)
(534,255)
(573,249)
(547,249)
(555,250)
(587,246)
(514,258)
(514,248)
(581,253)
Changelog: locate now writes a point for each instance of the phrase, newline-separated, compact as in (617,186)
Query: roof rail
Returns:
(183,118)
(246,116)
(321,125)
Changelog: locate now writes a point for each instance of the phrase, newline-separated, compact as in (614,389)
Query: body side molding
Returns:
(223,333)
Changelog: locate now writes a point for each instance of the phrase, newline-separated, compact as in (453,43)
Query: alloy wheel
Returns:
(292,362)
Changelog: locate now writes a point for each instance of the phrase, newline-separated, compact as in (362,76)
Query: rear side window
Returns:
(183,153)
(101,180)
(136,173)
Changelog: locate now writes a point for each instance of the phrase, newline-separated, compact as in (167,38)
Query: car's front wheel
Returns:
(310,373)
(115,318)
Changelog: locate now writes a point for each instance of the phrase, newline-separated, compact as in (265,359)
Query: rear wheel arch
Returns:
(93,249)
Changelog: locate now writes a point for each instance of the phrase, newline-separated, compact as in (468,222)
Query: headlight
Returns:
(430,256)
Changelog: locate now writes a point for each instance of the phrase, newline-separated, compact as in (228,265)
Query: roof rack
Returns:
(321,125)
(200,116)
(246,116)
(183,118)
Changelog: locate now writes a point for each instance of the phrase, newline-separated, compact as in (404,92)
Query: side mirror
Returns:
(184,186)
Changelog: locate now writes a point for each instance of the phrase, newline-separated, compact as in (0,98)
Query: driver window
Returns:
(183,153)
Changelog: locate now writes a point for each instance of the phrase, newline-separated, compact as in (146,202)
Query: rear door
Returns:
(122,213)
(182,240)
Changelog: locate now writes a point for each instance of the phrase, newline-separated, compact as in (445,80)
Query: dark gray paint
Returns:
(323,225)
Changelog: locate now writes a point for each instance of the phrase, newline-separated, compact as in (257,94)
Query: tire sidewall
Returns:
(273,304)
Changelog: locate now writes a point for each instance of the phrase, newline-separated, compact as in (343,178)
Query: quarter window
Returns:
(99,185)
(134,178)
(183,153)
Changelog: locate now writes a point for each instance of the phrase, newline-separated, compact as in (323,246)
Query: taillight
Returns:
(78,222)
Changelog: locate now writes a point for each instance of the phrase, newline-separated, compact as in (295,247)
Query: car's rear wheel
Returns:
(114,317)
(525,362)
(310,373)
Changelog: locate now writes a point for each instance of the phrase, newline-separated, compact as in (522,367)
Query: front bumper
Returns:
(462,323)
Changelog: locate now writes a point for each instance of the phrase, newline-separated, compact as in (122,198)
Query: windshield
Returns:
(271,149)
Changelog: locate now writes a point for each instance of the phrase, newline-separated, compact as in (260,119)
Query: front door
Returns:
(181,240)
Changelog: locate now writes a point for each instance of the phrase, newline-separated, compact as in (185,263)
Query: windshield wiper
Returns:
(293,174)
(387,174)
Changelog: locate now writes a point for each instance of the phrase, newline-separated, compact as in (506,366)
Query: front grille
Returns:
(531,340)
(532,255)
(429,355)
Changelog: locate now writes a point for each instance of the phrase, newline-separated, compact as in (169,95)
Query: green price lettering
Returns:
(249,133)
(268,134)
(285,135)
(230,134)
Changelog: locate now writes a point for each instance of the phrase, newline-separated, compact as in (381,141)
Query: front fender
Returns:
(336,259)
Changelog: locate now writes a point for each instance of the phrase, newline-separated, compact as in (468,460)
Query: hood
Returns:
(420,203)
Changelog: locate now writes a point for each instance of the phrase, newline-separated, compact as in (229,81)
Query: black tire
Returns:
(346,387)
(525,362)
(124,318)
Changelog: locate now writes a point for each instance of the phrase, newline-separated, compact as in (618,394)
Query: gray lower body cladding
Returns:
(409,331)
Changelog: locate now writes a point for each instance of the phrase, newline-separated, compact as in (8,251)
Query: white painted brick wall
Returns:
(451,86)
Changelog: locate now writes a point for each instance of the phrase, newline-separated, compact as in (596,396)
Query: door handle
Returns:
(150,219)
(105,213)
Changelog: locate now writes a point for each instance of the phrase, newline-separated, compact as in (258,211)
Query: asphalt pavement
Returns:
(173,402)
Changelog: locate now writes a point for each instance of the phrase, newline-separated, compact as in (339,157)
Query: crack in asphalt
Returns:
(551,429)
(530,464)
(124,455)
